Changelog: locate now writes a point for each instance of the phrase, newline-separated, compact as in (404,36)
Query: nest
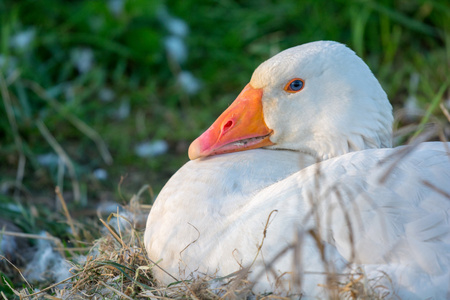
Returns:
(117,267)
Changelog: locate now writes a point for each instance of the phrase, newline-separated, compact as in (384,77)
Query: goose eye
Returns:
(294,86)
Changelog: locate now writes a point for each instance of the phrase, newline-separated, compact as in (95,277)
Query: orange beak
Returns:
(240,127)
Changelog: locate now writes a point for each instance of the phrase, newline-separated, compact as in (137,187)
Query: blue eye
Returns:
(295,85)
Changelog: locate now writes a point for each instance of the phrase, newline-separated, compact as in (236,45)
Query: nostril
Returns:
(227,126)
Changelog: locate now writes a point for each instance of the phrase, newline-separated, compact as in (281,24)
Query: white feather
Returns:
(360,207)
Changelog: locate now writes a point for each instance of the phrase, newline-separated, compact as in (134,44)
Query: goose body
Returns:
(324,195)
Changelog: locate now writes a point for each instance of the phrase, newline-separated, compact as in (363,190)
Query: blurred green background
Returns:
(103,97)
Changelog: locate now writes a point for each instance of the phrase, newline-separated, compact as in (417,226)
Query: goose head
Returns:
(319,98)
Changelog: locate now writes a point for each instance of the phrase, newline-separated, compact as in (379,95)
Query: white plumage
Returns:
(384,212)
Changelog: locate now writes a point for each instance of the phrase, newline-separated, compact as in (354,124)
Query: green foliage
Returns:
(5,285)
(53,104)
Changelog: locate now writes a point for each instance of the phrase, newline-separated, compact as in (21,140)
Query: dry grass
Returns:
(117,267)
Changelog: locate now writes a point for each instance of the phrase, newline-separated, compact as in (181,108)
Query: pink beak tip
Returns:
(194,150)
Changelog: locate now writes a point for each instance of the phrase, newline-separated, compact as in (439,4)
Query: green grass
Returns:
(49,106)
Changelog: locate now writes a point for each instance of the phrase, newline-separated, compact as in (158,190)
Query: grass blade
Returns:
(63,155)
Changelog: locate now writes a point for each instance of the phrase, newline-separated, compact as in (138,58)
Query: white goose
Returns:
(325,190)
